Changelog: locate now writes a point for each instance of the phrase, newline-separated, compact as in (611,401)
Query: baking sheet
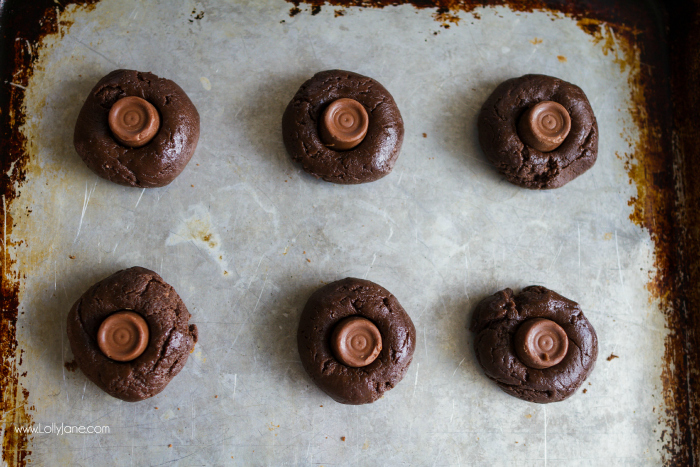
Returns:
(245,237)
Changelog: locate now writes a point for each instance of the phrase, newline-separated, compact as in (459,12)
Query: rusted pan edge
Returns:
(685,72)
(639,32)
(22,25)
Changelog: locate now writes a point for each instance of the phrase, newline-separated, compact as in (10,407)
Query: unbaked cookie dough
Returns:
(343,319)
(512,145)
(536,345)
(343,142)
(137,129)
(141,323)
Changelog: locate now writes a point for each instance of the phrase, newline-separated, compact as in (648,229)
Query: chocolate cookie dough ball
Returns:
(343,127)
(137,129)
(355,340)
(536,345)
(130,335)
(539,131)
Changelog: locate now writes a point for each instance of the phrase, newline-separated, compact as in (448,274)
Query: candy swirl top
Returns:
(541,343)
(544,126)
(133,121)
(123,336)
(344,124)
(356,341)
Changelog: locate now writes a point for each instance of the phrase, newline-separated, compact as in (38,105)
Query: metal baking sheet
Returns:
(245,236)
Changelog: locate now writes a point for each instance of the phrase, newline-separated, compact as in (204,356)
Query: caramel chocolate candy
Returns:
(356,341)
(133,121)
(541,343)
(123,336)
(344,124)
(544,126)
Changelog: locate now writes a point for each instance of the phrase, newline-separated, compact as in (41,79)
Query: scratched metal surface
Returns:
(245,236)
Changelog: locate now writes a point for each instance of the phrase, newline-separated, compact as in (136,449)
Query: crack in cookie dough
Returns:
(355,297)
(158,162)
(172,338)
(373,158)
(524,165)
(497,319)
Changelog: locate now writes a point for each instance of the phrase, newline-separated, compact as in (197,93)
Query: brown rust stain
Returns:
(448,11)
(650,166)
(23,25)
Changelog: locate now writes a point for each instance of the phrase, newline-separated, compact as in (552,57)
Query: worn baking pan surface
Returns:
(245,236)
